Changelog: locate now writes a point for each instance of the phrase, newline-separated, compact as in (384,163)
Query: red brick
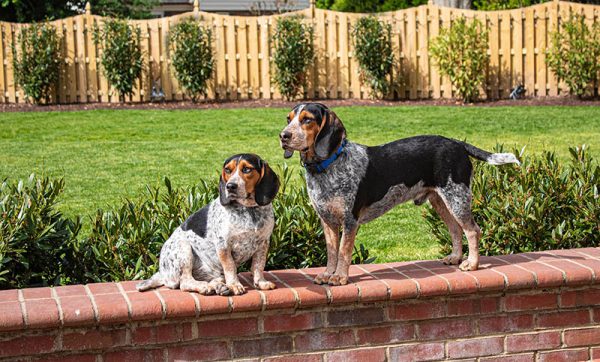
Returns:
(213,304)
(296,358)
(460,307)
(445,329)
(94,339)
(488,280)
(77,310)
(525,357)
(532,341)
(429,285)
(10,295)
(145,306)
(372,291)
(70,290)
(292,322)
(11,317)
(228,327)
(386,335)
(595,353)
(26,345)
(112,308)
(580,298)
(476,347)
(42,313)
(418,311)
(262,347)
(517,278)
(505,323)
(596,314)
(531,302)
(582,337)
(568,299)
(564,356)
(417,352)
(37,293)
(362,355)
(206,351)
(88,357)
(320,340)
(344,294)
(292,274)
(309,294)
(575,274)
(460,282)
(150,355)
(546,276)
(178,303)
(156,334)
(103,288)
(401,287)
(564,319)
(354,317)
(280,298)
(248,302)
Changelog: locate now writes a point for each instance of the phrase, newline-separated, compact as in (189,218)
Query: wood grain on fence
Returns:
(518,41)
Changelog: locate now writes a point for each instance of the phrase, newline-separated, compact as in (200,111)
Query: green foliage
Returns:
(192,56)
(121,56)
(293,53)
(461,54)
(575,54)
(373,50)
(503,4)
(133,9)
(36,61)
(543,204)
(37,243)
(368,6)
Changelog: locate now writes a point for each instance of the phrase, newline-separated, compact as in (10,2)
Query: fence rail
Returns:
(518,41)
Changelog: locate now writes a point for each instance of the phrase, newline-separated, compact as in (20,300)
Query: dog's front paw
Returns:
(452,259)
(336,279)
(322,278)
(469,265)
(236,288)
(264,285)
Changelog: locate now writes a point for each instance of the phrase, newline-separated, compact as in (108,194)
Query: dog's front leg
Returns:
(332,240)
(340,277)
(230,271)
(259,259)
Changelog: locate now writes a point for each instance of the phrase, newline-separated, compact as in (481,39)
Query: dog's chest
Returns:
(247,231)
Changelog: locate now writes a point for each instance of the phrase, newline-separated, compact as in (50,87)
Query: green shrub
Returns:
(192,56)
(461,54)
(37,61)
(574,55)
(373,49)
(293,53)
(121,56)
(488,5)
(543,204)
(37,243)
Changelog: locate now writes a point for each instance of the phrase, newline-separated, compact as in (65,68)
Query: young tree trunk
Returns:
(460,4)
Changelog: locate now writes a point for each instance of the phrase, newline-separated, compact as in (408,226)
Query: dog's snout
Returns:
(231,187)
(285,135)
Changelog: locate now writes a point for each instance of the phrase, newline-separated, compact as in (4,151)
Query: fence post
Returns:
(196,8)
(88,9)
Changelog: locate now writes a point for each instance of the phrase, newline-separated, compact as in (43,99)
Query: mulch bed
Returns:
(266,103)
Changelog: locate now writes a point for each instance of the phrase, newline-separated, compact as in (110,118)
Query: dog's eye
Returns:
(227,171)
(246,170)
(288,119)
(307,120)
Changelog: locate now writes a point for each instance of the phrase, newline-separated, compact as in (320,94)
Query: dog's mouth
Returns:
(289,152)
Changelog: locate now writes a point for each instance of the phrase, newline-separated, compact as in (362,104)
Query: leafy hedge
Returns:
(543,204)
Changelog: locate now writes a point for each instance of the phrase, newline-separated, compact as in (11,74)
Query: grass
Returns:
(105,155)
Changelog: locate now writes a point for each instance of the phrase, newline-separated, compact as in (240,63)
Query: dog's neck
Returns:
(314,164)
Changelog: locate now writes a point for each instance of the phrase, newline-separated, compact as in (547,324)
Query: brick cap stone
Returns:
(109,303)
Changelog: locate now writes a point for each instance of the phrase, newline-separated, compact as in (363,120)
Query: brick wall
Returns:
(528,307)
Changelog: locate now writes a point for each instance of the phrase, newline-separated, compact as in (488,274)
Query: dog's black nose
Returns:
(231,187)
(285,136)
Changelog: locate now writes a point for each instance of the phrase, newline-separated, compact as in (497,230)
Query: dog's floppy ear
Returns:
(330,136)
(222,194)
(267,187)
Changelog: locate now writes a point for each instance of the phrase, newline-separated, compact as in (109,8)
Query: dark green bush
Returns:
(37,243)
(121,56)
(192,56)
(36,62)
(574,55)
(543,204)
(373,49)
(293,53)
(461,55)
(503,4)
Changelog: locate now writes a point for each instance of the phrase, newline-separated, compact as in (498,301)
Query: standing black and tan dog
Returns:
(203,254)
(350,184)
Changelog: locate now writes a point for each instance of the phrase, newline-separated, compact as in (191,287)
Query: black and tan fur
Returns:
(365,182)
(203,254)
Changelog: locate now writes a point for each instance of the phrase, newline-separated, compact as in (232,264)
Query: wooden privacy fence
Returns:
(518,41)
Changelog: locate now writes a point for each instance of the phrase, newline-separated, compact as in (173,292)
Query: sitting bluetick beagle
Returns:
(350,184)
(203,254)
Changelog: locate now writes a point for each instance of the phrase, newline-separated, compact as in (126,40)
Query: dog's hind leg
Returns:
(154,282)
(189,284)
(457,198)
(455,230)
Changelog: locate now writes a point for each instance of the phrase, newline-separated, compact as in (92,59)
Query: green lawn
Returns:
(108,154)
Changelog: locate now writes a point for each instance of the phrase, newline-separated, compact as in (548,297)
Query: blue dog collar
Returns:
(322,166)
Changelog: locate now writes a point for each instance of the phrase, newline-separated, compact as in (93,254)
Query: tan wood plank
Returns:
(495,70)
(3,48)
(265,58)
(529,71)
(332,52)
(505,56)
(71,66)
(344,43)
(92,65)
(230,43)
(253,69)
(10,37)
(81,56)
(220,64)
(423,42)
(154,67)
(354,70)
(242,56)
(540,40)
(517,47)
(165,71)
(321,54)
(446,86)
(552,26)
(411,51)
(434,30)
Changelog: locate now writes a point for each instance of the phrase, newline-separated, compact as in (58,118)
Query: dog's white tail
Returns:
(502,158)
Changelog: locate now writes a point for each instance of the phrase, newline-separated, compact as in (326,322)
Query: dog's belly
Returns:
(396,194)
